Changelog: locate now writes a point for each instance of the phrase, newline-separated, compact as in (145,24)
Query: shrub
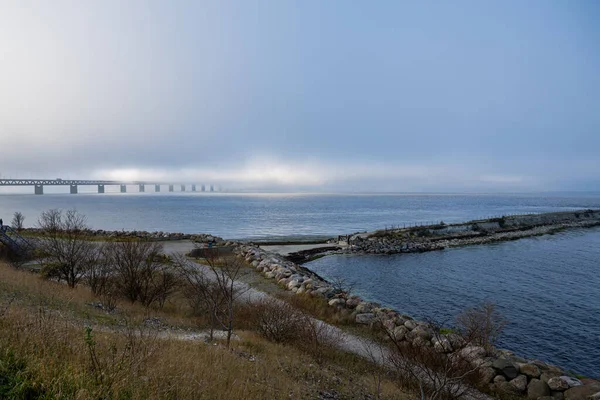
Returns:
(278,321)
(67,253)
(481,325)
(140,271)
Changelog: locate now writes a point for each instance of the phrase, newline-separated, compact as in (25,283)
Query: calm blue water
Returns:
(548,287)
(267,215)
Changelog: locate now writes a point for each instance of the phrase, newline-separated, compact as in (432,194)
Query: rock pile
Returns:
(430,238)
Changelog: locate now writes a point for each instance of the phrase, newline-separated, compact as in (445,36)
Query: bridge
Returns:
(38,184)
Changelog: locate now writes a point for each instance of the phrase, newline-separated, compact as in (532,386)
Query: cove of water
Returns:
(548,288)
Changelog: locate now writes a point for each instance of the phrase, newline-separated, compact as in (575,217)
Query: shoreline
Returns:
(502,371)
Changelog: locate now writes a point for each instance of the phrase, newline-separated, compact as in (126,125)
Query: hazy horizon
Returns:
(286,96)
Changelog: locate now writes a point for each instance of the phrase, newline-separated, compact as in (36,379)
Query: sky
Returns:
(390,96)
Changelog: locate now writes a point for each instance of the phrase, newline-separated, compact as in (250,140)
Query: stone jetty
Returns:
(441,236)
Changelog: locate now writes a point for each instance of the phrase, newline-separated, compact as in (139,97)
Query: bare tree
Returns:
(226,270)
(202,294)
(217,286)
(67,255)
(481,325)
(101,279)
(141,273)
(18,220)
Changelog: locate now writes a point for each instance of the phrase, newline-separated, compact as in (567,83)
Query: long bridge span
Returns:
(38,184)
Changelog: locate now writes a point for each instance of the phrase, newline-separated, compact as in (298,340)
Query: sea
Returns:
(547,287)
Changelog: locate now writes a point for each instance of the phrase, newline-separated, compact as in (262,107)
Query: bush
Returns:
(67,253)
(278,321)
(481,325)
(141,273)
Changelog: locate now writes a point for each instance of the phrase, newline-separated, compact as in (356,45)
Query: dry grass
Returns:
(45,353)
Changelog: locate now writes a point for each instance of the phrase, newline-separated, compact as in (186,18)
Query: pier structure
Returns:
(73,184)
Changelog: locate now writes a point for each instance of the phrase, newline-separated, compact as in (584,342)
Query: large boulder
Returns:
(337,302)
(506,367)
(352,302)
(537,388)
(547,375)
(487,375)
(473,353)
(595,396)
(400,333)
(520,383)
(442,344)
(498,379)
(582,392)
(365,318)
(558,395)
(422,332)
(562,383)
(530,370)
(410,324)
(557,384)
(364,307)
(507,388)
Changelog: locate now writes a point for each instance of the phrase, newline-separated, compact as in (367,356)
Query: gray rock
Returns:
(487,375)
(365,318)
(499,379)
(422,332)
(420,342)
(537,388)
(389,325)
(557,384)
(582,392)
(352,302)
(473,352)
(442,345)
(595,396)
(558,395)
(520,383)
(507,388)
(410,324)
(546,375)
(562,383)
(337,302)
(530,370)
(571,381)
(506,367)
(400,332)
(363,307)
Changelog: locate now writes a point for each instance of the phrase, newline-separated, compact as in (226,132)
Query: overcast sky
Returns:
(304,95)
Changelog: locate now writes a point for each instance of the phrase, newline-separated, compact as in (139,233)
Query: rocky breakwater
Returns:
(141,235)
(441,236)
(500,371)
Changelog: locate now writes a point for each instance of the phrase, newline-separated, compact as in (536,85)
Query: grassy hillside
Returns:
(56,342)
